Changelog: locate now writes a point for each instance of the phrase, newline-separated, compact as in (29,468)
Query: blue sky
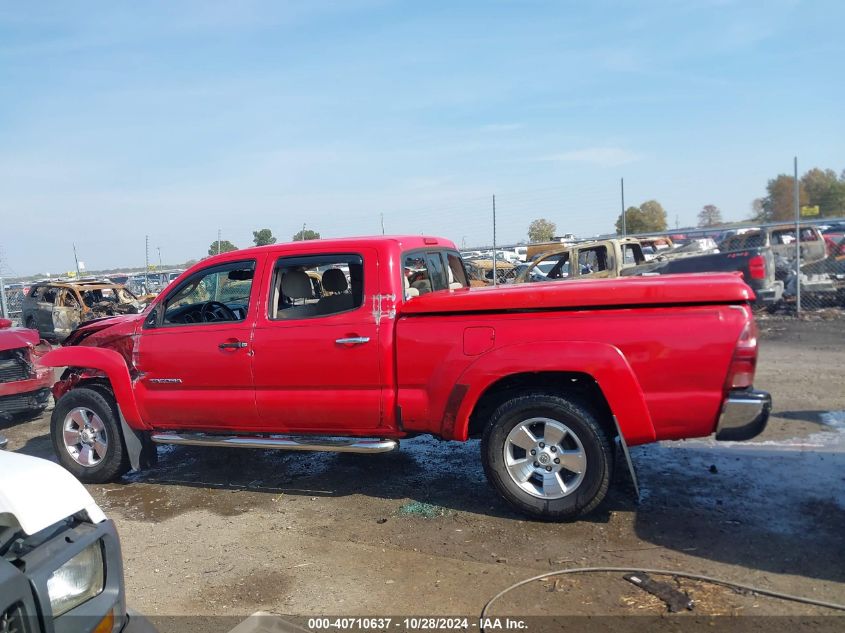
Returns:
(174,119)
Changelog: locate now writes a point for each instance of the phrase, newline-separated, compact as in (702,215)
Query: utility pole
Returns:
(382,223)
(676,222)
(146,262)
(218,241)
(159,257)
(302,235)
(76,259)
(624,224)
(797,243)
(495,276)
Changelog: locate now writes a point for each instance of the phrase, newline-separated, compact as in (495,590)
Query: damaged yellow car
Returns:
(56,308)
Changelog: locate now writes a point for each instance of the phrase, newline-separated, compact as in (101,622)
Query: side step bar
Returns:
(285,443)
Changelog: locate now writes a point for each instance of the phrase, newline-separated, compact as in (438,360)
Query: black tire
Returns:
(115,462)
(596,450)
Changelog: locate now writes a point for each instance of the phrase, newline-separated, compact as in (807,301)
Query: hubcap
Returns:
(84,436)
(545,458)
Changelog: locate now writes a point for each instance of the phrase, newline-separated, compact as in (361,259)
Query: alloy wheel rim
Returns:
(84,437)
(545,458)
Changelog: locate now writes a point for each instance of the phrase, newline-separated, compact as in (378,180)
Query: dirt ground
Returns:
(224,532)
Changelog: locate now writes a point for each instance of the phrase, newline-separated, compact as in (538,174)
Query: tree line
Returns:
(820,188)
(261,237)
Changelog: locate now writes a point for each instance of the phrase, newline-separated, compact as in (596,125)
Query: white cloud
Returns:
(600,156)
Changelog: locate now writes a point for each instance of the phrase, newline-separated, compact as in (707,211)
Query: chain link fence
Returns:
(808,260)
(11,301)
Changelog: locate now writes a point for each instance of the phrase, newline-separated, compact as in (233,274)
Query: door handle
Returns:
(353,340)
(232,345)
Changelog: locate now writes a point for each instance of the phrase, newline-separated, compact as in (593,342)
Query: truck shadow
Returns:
(776,506)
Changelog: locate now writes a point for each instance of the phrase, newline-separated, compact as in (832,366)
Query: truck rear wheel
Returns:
(547,456)
(86,436)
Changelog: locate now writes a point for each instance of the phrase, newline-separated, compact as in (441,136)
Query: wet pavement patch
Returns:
(421,509)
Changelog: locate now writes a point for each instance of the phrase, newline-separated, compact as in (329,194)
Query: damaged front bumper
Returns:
(745,413)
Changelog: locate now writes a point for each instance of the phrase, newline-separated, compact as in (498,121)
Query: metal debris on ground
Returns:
(674,599)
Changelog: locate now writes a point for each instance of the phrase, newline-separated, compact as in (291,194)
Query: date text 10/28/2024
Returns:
(417,624)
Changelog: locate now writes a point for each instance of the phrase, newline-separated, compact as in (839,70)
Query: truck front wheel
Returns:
(86,436)
(547,456)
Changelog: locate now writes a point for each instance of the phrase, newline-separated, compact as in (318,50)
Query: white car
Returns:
(60,562)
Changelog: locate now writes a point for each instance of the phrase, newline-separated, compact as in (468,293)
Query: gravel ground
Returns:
(222,532)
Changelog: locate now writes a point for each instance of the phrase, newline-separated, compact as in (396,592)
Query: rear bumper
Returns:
(770,295)
(744,415)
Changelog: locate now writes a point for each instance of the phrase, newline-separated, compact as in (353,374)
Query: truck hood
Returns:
(35,494)
(88,328)
(700,288)
(14,338)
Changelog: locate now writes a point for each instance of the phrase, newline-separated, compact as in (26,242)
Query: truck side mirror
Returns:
(152,320)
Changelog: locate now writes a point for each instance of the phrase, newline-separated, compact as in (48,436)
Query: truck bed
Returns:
(664,290)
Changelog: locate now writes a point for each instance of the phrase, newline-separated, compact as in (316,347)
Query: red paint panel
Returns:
(478,340)
(658,367)
(112,364)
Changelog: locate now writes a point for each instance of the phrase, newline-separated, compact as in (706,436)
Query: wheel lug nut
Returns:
(557,461)
(553,449)
(533,452)
(536,464)
(542,445)
(549,468)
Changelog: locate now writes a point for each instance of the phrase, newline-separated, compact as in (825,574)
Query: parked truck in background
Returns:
(607,259)
(245,350)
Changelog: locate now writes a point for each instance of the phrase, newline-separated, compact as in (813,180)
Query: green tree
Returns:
(223,247)
(649,217)
(263,237)
(779,203)
(306,234)
(541,230)
(710,215)
(825,190)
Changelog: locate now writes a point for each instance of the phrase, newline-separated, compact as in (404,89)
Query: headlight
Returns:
(78,580)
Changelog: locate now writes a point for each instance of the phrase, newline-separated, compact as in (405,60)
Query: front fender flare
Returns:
(108,361)
(604,362)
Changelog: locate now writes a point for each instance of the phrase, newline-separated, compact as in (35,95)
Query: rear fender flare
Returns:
(112,364)
(604,362)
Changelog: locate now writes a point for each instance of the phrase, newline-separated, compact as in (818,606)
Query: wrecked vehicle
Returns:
(480,271)
(60,560)
(757,266)
(781,239)
(24,384)
(601,259)
(56,308)
(239,352)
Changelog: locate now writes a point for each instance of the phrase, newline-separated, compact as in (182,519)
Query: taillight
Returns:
(744,361)
(757,267)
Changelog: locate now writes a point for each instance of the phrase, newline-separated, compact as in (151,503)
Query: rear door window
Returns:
(436,271)
(592,260)
(455,272)
(316,286)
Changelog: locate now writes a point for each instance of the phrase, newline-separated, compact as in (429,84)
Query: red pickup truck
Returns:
(353,344)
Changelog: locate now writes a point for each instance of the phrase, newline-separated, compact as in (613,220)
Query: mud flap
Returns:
(621,439)
(142,452)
